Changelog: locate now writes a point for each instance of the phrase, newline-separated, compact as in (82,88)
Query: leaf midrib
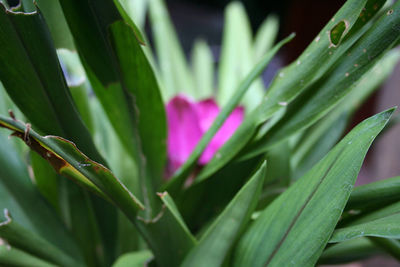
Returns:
(302,208)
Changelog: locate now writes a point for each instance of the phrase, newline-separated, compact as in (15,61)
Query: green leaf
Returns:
(298,232)
(18,195)
(220,236)
(182,173)
(379,223)
(167,234)
(375,194)
(237,58)
(203,69)
(140,80)
(121,87)
(297,76)
(77,83)
(217,191)
(293,80)
(317,140)
(67,160)
(136,10)
(42,93)
(174,70)
(10,256)
(133,259)
(46,180)
(387,227)
(349,251)
(391,246)
(58,27)
(339,81)
(21,238)
(265,36)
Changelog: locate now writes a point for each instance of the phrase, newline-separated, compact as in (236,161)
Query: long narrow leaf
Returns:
(297,77)
(296,226)
(220,236)
(21,238)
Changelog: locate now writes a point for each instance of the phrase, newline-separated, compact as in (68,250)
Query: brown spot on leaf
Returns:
(55,161)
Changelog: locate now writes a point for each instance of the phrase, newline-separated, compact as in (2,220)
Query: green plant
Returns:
(278,192)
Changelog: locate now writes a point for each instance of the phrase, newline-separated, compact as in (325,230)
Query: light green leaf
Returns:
(133,259)
(265,36)
(203,70)
(136,10)
(297,225)
(221,235)
(58,27)
(174,70)
(237,58)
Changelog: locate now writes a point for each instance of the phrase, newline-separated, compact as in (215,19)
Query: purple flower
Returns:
(188,121)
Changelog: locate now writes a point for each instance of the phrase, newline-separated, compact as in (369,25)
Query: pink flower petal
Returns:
(208,111)
(184,131)
(188,121)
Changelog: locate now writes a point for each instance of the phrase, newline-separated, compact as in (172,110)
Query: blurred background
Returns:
(204,19)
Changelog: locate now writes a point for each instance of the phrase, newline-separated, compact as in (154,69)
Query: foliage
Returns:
(84,183)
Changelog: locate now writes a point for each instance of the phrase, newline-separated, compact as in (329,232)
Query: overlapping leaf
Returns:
(221,235)
(296,226)
(295,78)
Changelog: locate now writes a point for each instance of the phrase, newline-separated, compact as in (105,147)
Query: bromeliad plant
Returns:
(163,169)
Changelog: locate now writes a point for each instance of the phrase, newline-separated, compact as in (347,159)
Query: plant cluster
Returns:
(123,157)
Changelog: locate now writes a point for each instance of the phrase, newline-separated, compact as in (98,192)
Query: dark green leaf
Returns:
(19,196)
(21,238)
(216,242)
(42,93)
(391,246)
(292,80)
(349,251)
(167,234)
(10,256)
(67,160)
(139,80)
(375,194)
(298,232)
(322,96)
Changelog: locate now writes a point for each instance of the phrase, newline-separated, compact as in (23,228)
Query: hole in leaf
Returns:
(337,32)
